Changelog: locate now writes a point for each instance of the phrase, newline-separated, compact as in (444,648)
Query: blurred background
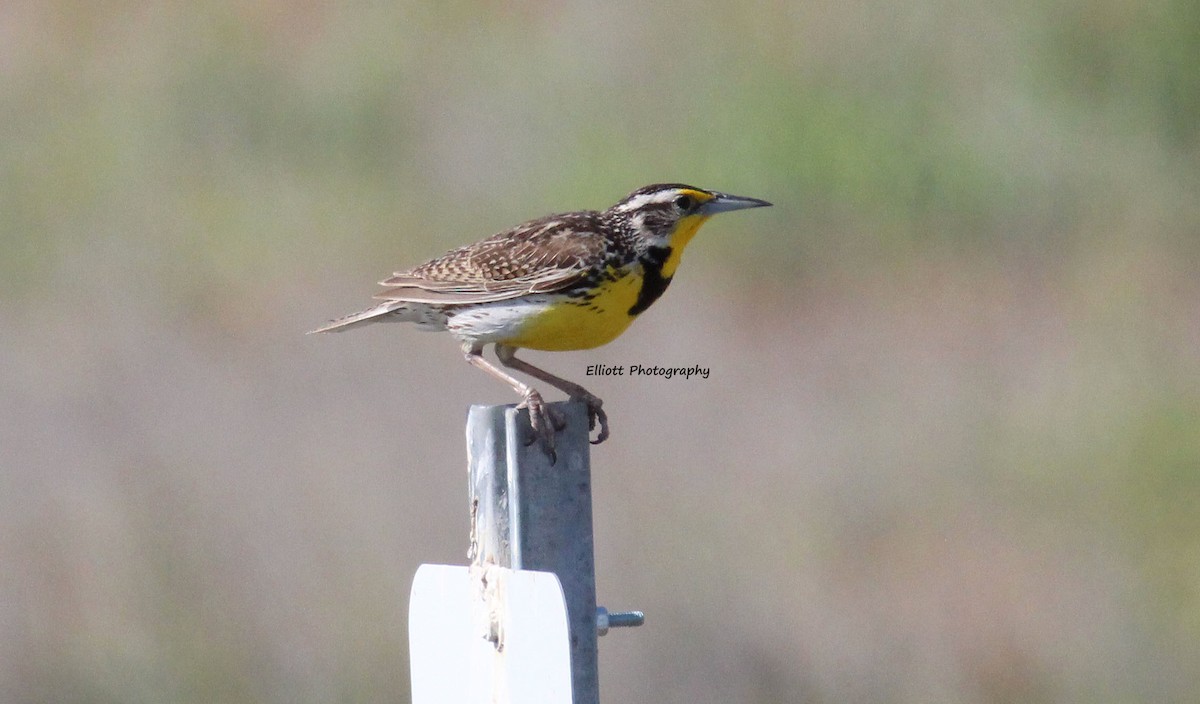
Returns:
(948,451)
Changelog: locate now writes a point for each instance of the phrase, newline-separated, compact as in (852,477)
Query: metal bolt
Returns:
(619,619)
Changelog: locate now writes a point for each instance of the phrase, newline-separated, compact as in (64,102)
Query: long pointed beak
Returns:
(724,203)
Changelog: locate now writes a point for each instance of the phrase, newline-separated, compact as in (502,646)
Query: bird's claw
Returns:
(545,421)
(596,414)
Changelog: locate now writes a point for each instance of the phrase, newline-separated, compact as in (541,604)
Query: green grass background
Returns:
(949,450)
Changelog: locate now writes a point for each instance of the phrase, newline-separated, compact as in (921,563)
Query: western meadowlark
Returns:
(572,281)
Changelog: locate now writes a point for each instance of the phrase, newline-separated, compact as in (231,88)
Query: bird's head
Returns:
(667,215)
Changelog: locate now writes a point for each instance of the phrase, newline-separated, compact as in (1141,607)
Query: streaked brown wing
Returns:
(540,256)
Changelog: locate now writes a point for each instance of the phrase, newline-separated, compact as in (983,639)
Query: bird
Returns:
(570,281)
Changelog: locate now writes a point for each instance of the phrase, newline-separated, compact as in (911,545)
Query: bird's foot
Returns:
(596,414)
(545,422)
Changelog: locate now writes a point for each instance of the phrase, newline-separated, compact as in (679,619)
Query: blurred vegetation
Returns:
(977,293)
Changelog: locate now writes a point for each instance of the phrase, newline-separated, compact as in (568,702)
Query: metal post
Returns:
(529,514)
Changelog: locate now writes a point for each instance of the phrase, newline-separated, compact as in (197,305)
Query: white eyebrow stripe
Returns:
(646,199)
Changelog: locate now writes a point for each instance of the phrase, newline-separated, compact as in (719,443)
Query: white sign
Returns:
(488,635)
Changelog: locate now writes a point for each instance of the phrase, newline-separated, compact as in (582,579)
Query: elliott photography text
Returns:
(643,370)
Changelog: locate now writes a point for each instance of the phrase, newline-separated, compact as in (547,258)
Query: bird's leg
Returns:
(543,422)
(507,357)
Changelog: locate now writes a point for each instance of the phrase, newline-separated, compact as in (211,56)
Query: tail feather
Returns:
(371,315)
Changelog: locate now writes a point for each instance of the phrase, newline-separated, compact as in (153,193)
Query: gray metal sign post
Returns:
(528,514)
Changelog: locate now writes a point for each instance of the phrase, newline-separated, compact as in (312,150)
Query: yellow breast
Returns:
(576,324)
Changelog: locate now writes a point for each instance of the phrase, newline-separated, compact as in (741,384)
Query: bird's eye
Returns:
(685,203)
